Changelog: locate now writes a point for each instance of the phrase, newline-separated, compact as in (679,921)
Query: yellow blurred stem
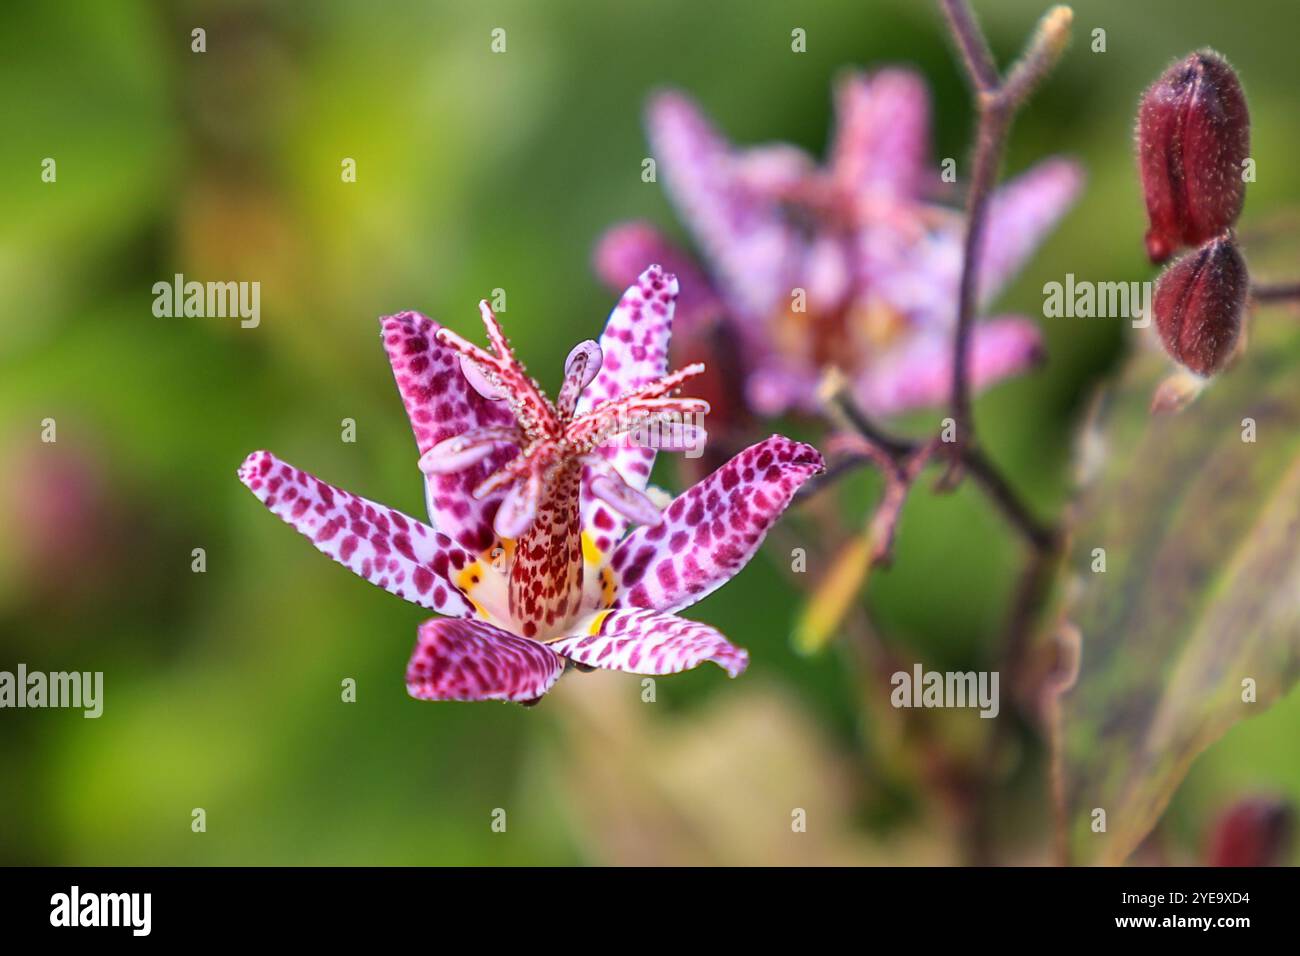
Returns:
(826,609)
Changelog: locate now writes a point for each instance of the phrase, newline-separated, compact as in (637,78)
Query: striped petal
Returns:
(648,642)
(471,660)
(743,234)
(399,554)
(441,404)
(712,530)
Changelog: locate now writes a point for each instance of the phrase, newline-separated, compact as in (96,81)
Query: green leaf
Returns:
(1201,591)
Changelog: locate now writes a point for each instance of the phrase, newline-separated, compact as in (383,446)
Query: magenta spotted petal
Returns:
(711,530)
(881,143)
(440,405)
(640,641)
(531,500)
(634,347)
(625,249)
(472,660)
(389,549)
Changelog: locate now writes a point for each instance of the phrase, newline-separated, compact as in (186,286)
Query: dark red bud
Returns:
(1252,832)
(1193,135)
(1198,304)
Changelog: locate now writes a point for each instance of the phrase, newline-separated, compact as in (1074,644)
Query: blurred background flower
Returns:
(479,171)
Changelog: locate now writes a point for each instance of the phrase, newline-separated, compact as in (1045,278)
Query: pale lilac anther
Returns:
(519,506)
(460,451)
(582,365)
(632,504)
(478,379)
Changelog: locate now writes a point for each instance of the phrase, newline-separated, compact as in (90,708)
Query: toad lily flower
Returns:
(529,501)
(851,264)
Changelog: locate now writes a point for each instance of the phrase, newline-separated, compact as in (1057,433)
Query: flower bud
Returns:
(1198,305)
(1193,136)
(1255,831)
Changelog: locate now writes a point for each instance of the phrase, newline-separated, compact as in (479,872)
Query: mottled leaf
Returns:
(1201,588)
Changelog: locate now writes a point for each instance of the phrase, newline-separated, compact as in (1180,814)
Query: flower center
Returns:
(542,485)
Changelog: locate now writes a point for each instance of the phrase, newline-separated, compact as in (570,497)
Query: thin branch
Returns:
(1281,292)
(1041,54)
(974,48)
(837,399)
(988,158)
(901,456)
(1041,535)
(997,102)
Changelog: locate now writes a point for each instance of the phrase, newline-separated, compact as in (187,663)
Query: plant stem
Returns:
(1281,292)
(997,101)
(1041,535)
(845,414)
(974,48)
(993,126)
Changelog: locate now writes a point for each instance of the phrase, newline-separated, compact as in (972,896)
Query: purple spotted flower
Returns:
(527,551)
(850,264)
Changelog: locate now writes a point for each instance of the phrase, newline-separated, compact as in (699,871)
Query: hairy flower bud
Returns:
(1193,136)
(1198,305)
(1255,831)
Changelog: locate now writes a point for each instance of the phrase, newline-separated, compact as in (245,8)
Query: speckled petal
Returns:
(401,555)
(743,235)
(648,642)
(471,660)
(711,531)
(626,249)
(441,404)
(917,375)
(1021,214)
(882,133)
(634,348)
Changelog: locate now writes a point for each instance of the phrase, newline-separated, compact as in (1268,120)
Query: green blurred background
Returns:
(477,171)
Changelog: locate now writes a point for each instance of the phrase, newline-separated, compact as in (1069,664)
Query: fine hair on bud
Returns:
(1193,137)
(1199,300)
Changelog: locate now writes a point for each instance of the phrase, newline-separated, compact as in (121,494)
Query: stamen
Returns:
(660,387)
(483,380)
(618,494)
(618,417)
(519,507)
(460,451)
(502,375)
(582,365)
(500,344)
(513,470)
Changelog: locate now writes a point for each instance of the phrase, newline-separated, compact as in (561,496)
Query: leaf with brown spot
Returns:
(1201,589)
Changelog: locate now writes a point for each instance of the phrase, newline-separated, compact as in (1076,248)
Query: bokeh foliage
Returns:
(475,171)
